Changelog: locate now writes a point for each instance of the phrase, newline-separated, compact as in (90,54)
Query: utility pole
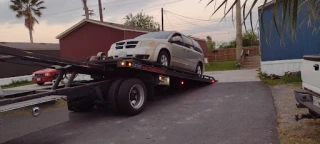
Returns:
(239,31)
(100,11)
(162,18)
(85,7)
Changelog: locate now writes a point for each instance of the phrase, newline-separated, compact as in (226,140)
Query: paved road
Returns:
(237,112)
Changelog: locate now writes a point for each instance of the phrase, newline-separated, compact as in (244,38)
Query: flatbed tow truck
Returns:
(123,84)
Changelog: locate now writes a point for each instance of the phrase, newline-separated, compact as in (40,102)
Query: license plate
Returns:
(316,101)
(38,79)
(122,54)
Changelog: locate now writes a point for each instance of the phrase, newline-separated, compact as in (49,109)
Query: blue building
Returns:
(278,58)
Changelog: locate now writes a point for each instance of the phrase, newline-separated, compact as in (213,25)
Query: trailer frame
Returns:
(113,81)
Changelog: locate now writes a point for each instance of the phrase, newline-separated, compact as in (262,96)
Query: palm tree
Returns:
(290,10)
(27,9)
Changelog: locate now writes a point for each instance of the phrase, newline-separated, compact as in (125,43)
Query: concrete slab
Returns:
(235,75)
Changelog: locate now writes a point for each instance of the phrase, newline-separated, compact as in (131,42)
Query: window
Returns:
(179,43)
(155,35)
(188,42)
(197,46)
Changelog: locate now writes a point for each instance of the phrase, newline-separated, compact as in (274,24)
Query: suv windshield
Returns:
(155,35)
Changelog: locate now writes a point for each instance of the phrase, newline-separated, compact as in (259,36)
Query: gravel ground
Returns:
(290,131)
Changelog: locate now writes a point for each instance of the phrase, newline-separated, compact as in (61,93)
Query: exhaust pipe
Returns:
(35,111)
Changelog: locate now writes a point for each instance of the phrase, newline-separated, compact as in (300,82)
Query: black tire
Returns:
(124,96)
(113,95)
(163,53)
(197,71)
(82,105)
(40,83)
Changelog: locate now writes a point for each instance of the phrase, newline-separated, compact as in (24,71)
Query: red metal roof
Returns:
(106,24)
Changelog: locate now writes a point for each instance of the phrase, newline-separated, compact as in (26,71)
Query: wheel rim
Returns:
(136,96)
(199,71)
(164,60)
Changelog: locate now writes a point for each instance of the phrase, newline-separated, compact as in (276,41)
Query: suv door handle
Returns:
(316,67)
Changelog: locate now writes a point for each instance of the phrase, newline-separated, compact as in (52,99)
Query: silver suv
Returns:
(168,48)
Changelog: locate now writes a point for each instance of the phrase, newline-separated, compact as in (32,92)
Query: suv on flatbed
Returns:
(168,48)
(309,95)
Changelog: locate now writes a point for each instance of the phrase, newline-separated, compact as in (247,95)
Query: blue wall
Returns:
(305,42)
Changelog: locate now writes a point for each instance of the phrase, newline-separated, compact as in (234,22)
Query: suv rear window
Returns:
(187,41)
(197,46)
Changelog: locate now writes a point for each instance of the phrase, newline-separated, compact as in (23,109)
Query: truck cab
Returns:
(309,95)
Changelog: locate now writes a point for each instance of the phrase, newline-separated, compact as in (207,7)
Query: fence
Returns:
(229,54)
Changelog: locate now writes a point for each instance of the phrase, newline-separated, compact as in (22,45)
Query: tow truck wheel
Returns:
(132,96)
(113,95)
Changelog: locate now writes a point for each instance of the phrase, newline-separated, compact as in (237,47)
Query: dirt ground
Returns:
(305,131)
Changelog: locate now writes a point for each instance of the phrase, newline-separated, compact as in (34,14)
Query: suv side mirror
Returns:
(176,39)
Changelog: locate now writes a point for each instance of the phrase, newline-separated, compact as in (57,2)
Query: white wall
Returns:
(281,66)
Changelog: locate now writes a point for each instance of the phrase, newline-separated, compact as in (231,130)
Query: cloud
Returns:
(61,14)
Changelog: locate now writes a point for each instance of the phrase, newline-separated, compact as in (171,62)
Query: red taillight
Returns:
(213,81)
(182,82)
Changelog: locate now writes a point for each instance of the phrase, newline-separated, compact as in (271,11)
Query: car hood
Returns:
(150,39)
(47,70)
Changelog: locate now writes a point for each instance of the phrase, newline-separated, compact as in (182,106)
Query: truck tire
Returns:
(132,96)
(82,105)
(113,95)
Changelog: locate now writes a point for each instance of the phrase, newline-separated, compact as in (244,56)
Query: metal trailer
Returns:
(123,84)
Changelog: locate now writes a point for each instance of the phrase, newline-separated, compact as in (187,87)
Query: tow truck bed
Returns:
(114,81)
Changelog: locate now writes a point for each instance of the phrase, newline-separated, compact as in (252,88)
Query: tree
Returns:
(141,20)
(27,9)
(211,45)
(289,12)
(230,44)
(250,38)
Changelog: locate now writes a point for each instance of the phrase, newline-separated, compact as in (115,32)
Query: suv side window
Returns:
(188,42)
(179,43)
(197,46)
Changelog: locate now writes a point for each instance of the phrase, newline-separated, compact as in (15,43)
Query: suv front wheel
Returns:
(163,58)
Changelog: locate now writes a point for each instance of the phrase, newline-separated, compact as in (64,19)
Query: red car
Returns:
(44,75)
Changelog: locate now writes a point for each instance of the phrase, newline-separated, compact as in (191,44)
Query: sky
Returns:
(195,18)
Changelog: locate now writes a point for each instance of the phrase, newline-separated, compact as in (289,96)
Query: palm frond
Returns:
(33,2)
(219,7)
(39,3)
(254,3)
(209,2)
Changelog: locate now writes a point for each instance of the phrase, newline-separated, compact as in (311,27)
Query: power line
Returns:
(168,20)
(187,17)
(190,23)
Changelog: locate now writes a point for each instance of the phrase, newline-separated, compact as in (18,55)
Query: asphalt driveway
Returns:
(236,112)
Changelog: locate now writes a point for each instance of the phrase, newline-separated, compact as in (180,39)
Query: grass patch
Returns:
(222,66)
(294,80)
(17,84)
